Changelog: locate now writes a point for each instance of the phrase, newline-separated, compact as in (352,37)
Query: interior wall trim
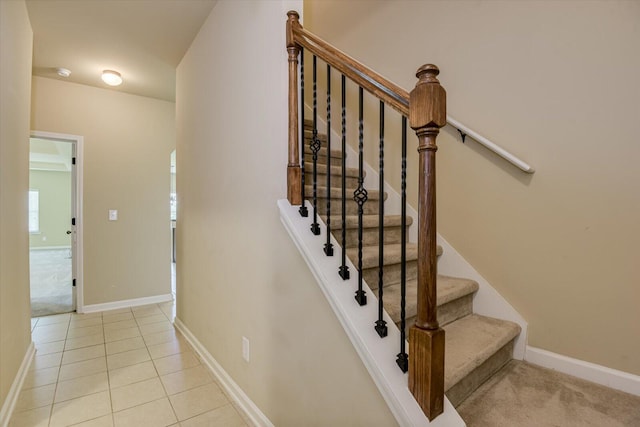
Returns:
(612,378)
(156,299)
(231,388)
(12,397)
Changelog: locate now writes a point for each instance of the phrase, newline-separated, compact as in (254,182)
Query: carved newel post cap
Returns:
(427,73)
(293,14)
(427,100)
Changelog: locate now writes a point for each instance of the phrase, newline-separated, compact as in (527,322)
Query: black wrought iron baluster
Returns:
(344,269)
(381,324)
(303,208)
(315,147)
(360,196)
(403,359)
(328,246)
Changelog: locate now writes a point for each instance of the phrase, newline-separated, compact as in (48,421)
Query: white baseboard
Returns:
(12,397)
(232,389)
(156,299)
(48,248)
(598,374)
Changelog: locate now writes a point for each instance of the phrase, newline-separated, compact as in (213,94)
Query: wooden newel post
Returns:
(294,176)
(427,114)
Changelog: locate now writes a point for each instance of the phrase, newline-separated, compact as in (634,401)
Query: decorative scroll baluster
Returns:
(304,212)
(344,269)
(360,196)
(427,115)
(381,324)
(294,178)
(403,359)
(328,246)
(315,147)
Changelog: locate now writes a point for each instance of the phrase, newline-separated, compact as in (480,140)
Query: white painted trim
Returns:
(487,301)
(598,374)
(378,355)
(156,299)
(12,397)
(232,389)
(49,248)
(78,142)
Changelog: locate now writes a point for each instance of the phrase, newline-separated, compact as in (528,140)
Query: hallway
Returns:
(126,367)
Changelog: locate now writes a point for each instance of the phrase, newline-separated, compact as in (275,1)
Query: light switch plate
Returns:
(113,214)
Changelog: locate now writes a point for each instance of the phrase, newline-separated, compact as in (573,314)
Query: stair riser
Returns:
(336,181)
(390,273)
(447,313)
(322,160)
(460,391)
(369,208)
(369,236)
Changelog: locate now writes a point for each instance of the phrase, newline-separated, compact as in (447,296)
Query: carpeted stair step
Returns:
(336,193)
(336,157)
(476,348)
(392,229)
(391,261)
(336,177)
(455,300)
(371,206)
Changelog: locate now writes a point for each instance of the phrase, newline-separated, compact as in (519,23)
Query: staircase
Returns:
(476,346)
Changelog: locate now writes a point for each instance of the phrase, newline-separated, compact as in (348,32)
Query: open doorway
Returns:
(53,223)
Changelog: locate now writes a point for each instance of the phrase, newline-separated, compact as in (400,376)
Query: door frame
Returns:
(76,211)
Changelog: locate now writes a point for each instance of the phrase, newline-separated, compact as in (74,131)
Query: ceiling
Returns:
(144,40)
(49,155)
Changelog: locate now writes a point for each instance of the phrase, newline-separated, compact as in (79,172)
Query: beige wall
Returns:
(238,272)
(54,188)
(557,85)
(15,87)
(127,143)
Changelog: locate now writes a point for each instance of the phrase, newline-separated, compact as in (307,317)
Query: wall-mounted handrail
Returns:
(384,89)
(490,145)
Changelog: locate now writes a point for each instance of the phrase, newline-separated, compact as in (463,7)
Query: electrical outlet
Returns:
(245,348)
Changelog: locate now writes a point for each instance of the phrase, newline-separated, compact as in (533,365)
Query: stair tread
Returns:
(321,169)
(449,289)
(391,255)
(323,152)
(470,341)
(336,193)
(368,221)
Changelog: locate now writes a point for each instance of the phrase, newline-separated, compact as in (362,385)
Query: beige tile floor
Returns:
(126,367)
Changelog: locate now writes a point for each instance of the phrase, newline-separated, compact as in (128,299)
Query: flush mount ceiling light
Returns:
(63,72)
(112,78)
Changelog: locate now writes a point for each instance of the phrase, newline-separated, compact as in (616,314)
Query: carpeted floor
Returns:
(50,282)
(525,395)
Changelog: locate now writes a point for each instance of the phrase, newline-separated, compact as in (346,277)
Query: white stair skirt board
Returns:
(156,299)
(231,388)
(598,374)
(378,355)
(12,397)
(487,301)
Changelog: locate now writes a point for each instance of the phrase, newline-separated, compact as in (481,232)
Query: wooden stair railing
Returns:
(425,107)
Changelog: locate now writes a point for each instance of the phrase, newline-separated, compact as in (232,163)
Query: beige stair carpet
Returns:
(525,395)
